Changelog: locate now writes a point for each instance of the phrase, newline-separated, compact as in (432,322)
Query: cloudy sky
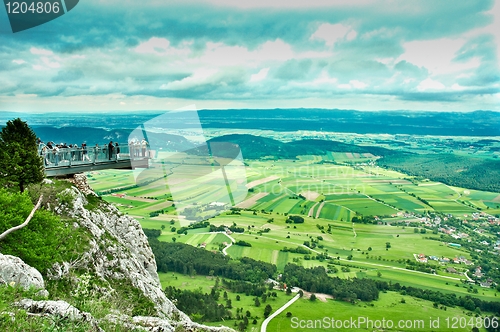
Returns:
(225,54)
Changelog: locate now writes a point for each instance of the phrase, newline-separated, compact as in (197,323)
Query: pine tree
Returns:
(267,310)
(20,162)
(257,302)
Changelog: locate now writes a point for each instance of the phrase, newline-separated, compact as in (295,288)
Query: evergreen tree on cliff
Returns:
(20,163)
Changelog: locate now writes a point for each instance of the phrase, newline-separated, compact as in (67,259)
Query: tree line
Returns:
(186,259)
(316,280)
(447,299)
(201,307)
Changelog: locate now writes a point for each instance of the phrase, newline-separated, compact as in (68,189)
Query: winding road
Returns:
(263,327)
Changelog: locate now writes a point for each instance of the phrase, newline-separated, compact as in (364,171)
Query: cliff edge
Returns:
(111,284)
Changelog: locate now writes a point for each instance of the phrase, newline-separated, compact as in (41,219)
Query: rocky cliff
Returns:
(116,264)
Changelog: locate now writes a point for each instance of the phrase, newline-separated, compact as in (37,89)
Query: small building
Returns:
(451,270)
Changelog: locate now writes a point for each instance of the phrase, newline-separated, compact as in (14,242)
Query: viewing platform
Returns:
(69,161)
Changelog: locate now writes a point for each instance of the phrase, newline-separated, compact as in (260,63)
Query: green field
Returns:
(205,284)
(414,314)
(347,190)
(341,192)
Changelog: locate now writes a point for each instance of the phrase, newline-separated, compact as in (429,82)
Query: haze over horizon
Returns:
(155,56)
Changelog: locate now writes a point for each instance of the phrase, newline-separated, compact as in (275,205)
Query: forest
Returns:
(316,280)
(446,299)
(459,171)
(200,306)
(186,259)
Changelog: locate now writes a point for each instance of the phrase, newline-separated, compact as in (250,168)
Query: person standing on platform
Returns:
(85,152)
(131,149)
(96,152)
(117,148)
(111,147)
(144,144)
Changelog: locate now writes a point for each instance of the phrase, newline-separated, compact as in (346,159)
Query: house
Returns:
(485,284)
(478,272)
(451,270)
(203,245)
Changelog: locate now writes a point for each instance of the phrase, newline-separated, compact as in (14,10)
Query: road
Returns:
(229,244)
(263,327)
(362,262)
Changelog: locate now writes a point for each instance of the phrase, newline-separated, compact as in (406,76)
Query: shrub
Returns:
(45,240)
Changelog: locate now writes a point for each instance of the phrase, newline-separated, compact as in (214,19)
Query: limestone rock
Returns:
(13,269)
(155,324)
(119,250)
(80,181)
(56,308)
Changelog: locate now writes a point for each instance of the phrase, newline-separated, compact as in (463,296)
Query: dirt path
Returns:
(311,210)
(261,181)
(320,296)
(319,209)
(310,195)
(251,201)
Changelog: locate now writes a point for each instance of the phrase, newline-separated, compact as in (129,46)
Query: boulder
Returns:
(13,269)
(57,308)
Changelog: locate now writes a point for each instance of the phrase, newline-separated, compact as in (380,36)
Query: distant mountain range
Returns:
(478,123)
(255,147)
(252,147)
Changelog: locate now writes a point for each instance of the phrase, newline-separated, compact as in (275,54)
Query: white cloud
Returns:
(457,87)
(437,55)
(331,33)
(50,63)
(262,74)
(493,28)
(199,77)
(161,46)
(274,50)
(430,84)
(220,54)
(153,45)
(18,61)
(358,84)
(324,78)
(40,51)
(351,35)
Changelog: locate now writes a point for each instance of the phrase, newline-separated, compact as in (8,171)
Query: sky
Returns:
(128,55)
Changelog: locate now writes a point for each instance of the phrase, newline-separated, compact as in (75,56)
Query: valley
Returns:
(345,211)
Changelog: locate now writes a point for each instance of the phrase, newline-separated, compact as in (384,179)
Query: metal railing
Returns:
(91,155)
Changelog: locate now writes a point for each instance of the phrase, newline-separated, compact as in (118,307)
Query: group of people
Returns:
(112,149)
(137,148)
(53,154)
